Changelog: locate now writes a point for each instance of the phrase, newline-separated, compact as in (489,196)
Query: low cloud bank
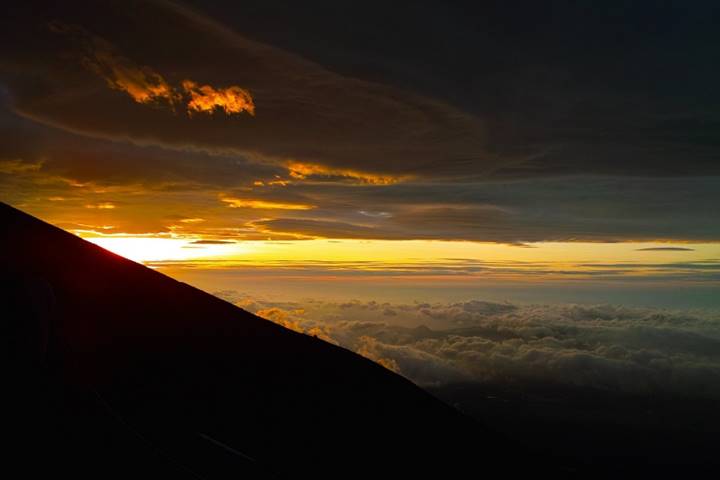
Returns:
(603,346)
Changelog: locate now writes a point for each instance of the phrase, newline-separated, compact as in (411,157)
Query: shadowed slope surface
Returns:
(118,370)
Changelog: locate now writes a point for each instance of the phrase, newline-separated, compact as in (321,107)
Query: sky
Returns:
(528,152)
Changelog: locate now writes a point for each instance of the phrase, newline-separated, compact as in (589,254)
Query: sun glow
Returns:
(158,249)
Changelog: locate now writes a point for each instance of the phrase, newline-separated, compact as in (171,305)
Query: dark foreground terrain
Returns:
(600,433)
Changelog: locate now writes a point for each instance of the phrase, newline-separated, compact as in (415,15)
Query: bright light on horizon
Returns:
(417,257)
(157,249)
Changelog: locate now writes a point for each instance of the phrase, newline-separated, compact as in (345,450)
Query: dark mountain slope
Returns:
(116,370)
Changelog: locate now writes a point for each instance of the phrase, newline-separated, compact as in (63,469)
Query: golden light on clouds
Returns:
(234,202)
(301,171)
(206,99)
(281,317)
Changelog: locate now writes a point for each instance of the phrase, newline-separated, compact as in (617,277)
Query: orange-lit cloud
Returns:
(19,166)
(206,99)
(145,85)
(276,181)
(301,171)
(368,349)
(101,206)
(234,202)
(281,317)
(291,319)
(142,83)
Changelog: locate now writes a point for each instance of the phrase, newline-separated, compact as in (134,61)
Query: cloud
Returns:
(603,346)
(302,171)
(289,319)
(101,206)
(145,85)
(313,118)
(585,208)
(370,348)
(666,249)
(263,204)
(212,242)
(607,116)
(19,166)
(141,83)
(375,155)
(207,99)
(281,317)
(320,228)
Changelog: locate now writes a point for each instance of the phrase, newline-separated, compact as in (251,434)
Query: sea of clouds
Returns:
(635,350)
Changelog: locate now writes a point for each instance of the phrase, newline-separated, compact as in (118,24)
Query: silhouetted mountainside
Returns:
(117,371)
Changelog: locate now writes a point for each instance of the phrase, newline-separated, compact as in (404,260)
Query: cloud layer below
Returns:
(603,346)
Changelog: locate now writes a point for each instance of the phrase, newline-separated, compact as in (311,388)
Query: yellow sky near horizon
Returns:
(144,249)
(428,258)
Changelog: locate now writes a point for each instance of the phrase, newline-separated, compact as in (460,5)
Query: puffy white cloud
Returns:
(603,346)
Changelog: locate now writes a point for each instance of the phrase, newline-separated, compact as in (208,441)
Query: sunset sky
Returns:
(397,238)
(444,147)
